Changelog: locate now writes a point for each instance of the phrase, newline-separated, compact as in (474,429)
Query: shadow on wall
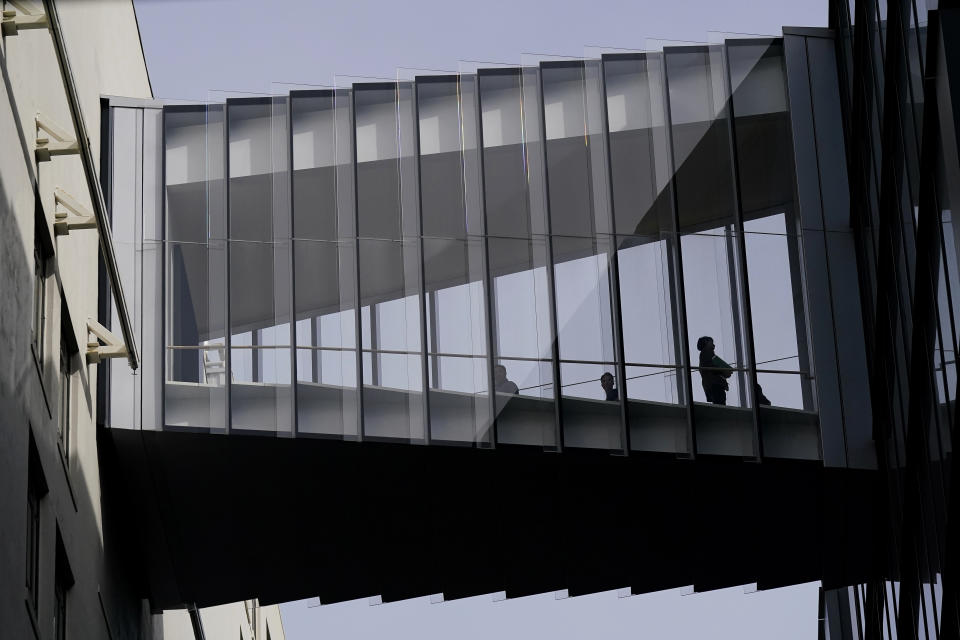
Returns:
(101,554)
(16,271)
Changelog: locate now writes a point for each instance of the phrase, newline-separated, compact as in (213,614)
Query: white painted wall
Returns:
(246,620)
(106,57)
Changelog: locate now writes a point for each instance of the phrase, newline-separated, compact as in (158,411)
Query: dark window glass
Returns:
(441,169)
(195,266)
(64,417)
(314,165)
(36,488)
(39,298)
(59,611)
(504,163)
(634,98)
(377,153)
(190,144)
(63,580)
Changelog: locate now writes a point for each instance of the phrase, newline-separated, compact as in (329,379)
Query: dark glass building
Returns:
(728,265)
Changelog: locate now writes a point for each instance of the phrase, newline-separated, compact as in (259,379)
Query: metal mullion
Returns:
(288,140)
(164,298)
(255,356)
(432,347)
(551,284)
(488,280)
(228,337)
(740,241)
(358,320)
(375,350)
(421,269)
(739,344)
(677,262)
(614,262)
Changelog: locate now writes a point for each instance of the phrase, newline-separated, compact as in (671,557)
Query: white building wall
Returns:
(245,620)
(105,54)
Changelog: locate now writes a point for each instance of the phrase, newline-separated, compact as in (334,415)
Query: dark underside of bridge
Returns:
(214,519)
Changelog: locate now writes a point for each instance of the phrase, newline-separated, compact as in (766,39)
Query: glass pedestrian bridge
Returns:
(462,258)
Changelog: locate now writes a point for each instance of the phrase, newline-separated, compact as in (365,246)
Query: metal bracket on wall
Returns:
(111,347)
(22,16)
(66,205)
(61,145)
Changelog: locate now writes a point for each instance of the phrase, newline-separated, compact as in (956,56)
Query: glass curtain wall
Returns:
(594,254)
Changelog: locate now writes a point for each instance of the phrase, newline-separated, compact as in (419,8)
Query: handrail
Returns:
(93,184)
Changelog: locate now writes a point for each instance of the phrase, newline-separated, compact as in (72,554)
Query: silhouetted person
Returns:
(500,381)
(606,381)
(713,372)
(761,399)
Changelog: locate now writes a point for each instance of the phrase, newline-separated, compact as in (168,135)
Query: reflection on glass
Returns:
(504,165)
(634,103)
(450,235)
(588,367)
(522,340)
(195,272)
(260,330)
(456,337)
(710,290)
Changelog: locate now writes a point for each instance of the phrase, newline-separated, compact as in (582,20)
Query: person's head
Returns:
(705,343)
(499,373)
(606,381)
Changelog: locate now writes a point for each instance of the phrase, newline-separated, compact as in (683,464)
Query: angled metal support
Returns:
(102,344)
(62,143)
(70,214)
(22,16)
(93,183)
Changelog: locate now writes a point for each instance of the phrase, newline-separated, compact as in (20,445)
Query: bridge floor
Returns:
(223,518)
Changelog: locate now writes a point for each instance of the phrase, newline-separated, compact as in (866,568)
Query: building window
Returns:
(63,580)
(39,298)
(36,488)
(64,415)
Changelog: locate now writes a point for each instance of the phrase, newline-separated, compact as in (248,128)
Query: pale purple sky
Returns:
(195,50)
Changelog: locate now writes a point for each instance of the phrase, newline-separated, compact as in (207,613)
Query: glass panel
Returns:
(504,165)
(567,155)
(523,372)
(260,265)
(324,266)
(440,159)
(765,162)
(186,173)
(634,104)
(703,179)
(195,387)
(389,259)
(776,294)
(657,421)
(588,364)
(314,165)
(457,340)
(194,269)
